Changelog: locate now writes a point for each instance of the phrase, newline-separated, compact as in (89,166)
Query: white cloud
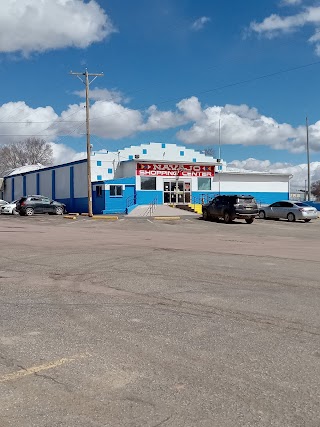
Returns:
(242,125)
(18,120)
(290,2)
(38,25)
(63,154)
(199,23)
(299,172)
(275,25)
(239,124)
(160,120)
(99,94)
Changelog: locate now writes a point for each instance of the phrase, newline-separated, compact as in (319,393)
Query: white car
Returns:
(290,210)
(9,208)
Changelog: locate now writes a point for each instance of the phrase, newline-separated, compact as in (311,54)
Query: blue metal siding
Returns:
(24,185)
(71,205)
(53,177)
(12,189)
(38,183)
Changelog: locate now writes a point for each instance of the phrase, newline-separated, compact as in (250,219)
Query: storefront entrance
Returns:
(177,192)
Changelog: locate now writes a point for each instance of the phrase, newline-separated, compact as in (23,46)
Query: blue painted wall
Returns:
(144,197)
(261,197)
(118,204)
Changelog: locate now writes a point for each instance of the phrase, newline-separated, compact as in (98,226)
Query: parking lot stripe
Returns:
(35,369)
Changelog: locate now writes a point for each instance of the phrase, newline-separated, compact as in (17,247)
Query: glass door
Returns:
(177,192)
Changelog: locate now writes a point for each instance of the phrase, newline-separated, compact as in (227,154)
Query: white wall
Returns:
(18,187)
(80,180)
(31,183)
(46,183)
(63,183)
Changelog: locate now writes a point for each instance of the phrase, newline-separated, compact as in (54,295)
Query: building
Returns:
(139,175)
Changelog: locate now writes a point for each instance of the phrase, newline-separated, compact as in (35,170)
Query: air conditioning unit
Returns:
(137,156)
(218,160)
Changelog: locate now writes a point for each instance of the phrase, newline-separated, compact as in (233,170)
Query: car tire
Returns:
(205,215)
(262,215)
(59,210)
(227,218)
(29,211)
(15,212)
(307,220)
(291,217)
(249,220)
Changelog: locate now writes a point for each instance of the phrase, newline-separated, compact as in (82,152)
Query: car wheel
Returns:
(307,220)
(291,217)
(29,211)
(227,218)
(262,215)
(249,220)
(59,210)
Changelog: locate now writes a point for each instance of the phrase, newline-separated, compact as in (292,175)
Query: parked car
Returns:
(3,202)
(30,205)
(9,208)
(290,210)
(230,208)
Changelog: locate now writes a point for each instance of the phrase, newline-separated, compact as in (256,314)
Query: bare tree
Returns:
(315,189)
(209,151)
(30,151)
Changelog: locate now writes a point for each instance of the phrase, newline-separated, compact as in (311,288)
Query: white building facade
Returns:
(148,173)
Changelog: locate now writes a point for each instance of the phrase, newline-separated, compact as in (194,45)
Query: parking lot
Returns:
(143,322)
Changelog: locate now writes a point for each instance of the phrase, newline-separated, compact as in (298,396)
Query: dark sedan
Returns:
(30,205)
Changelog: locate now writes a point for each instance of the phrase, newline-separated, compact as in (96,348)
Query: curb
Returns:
(166,218)
(106,217)
(69,217)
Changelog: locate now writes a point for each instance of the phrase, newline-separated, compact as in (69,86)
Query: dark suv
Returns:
(230,208)
(30,205)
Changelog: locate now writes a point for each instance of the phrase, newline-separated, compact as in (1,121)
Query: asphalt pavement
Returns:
(144,322)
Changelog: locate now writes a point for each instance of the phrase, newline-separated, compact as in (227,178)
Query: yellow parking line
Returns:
(30,371)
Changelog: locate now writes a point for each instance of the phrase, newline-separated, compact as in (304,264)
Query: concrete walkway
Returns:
(160,210)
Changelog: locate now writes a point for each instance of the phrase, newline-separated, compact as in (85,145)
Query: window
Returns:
(115,190)
(99,177)
(163,145)
(144,151)
(99,163)
(130,157)
(181,153)
(204,184)
(148,183)
(99,190)
(109,170)
(194,160)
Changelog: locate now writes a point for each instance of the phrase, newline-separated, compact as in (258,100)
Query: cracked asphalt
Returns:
(151,323)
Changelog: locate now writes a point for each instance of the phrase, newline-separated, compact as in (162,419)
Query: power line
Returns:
(229,85)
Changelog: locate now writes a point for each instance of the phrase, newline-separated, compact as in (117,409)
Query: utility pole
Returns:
(308,160)
(87,83)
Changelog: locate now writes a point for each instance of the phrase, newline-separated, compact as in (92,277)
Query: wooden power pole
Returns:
(87,84)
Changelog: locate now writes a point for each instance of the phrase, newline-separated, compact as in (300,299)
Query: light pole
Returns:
(308,161)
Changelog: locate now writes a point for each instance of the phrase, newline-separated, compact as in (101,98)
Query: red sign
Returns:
(172,170)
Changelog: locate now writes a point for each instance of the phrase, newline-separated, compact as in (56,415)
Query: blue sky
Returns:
(172,70)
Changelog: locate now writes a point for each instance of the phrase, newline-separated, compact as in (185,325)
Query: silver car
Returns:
(289,210)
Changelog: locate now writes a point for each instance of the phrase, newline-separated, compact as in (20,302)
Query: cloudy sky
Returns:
(173,70)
